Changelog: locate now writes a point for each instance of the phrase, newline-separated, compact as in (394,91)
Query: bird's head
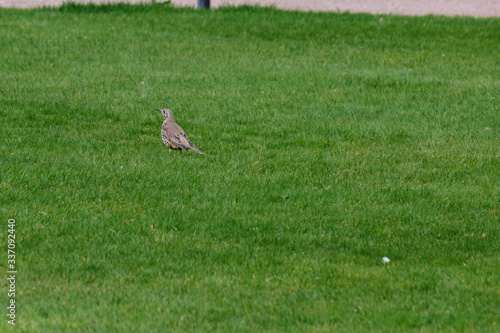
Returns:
(166,113)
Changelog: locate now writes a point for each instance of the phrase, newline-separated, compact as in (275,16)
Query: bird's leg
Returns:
(169,150)
(180,152)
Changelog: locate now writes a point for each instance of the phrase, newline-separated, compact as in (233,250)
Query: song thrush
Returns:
(172,134)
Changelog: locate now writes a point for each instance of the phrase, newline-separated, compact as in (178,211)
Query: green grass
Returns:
(382,130)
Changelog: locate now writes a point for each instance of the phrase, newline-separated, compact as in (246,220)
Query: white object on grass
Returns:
(386,260)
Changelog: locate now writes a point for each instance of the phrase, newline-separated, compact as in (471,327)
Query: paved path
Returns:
(477,8)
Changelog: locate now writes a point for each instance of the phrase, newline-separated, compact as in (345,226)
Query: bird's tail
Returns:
(197,150)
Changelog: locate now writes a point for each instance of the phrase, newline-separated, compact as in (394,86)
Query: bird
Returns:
(172,134)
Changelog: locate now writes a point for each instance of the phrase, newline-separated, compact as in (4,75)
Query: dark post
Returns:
(204,4)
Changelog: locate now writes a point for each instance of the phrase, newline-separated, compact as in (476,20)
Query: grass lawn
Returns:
(330,140)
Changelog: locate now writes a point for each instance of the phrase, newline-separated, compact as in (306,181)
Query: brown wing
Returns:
(181,140)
